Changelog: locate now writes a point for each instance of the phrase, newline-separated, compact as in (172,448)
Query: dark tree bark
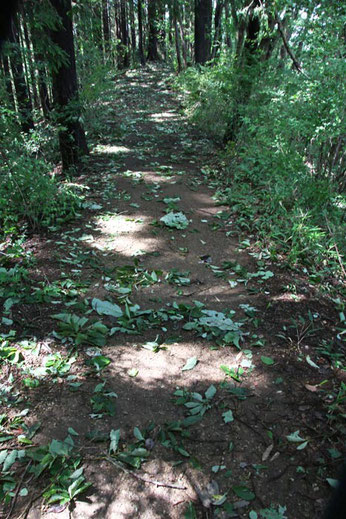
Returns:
(217,29)
(123,36)
(43,93)
(42,83)
(228,39)
(268,42)
(183,40)
(162,30)
(140,32)
(72,139)
(203,17)
(248,31)
(106,28)
(153,53)
(132,27)
(174,15)
(251,43)
(22,93)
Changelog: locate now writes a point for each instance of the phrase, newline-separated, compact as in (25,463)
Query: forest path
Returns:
(142,311)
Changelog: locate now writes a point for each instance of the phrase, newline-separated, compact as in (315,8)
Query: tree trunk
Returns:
(140,32)
(7,80)
(22,93)
(228,39)
(106,29)
(176,34)
(132,27)
(162,32)
(246,60)
(153,54)
(203,16)
(42,84)
(72,139)
(124,58)
(217,29)
(182,36)
(31,64)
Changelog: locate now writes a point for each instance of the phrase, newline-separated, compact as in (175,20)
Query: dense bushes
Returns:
(29,191)
(283,174)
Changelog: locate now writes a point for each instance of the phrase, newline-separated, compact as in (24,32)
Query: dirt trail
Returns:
(120,251)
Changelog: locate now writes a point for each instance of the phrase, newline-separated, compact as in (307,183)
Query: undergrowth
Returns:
(32,196)
(282,175)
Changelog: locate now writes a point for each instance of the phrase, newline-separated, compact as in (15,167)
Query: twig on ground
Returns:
(142,478)
(19,486)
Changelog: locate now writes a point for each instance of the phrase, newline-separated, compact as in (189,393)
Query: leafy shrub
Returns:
(283,174)
(208,96)
(27,189)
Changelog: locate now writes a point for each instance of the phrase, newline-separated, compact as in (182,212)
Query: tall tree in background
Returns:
(174,15)
(132,27)
(106,28)
(203,17)
(20,86)
(72,139)
(140,32)
(217,28)
(7,80)
(153,53)
(124,35)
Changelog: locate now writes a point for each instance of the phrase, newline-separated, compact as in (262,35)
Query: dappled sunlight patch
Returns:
(127,245)
(294,298)
(111,149)
(169,360)
(120,224)
(163,116)
(124,233)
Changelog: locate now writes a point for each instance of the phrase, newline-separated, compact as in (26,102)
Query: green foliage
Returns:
(209,96)
(28,190)
(285,167)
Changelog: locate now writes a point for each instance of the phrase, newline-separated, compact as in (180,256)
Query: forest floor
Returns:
(186,374)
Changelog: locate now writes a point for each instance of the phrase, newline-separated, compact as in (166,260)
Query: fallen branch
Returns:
(19,486)
(287,47)
(142,478)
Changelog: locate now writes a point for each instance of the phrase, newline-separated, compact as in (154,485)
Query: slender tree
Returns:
(217,29)
(7,80)
(203,18)
(65,89)
(124,34)
(30,61)
(153,53)
(174,15)
(21,89)
(106,28)
(132,27)
(140,32)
